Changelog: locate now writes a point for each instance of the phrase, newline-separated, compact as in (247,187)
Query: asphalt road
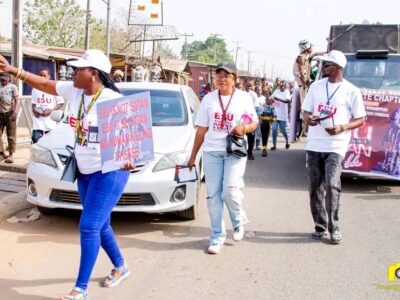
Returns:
(276,260)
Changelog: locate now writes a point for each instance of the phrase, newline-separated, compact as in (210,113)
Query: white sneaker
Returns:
(238,233)
(214,248)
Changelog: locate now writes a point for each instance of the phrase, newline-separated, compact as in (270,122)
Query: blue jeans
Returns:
(37,134)
(224,180)
(99,193)
(282,127)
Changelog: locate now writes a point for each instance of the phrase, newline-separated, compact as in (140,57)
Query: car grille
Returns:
(126,199)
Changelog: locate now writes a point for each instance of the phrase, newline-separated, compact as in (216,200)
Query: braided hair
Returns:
(108,83)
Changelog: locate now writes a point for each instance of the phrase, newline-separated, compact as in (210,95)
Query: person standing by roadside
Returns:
(42,106)
(281,99)
(220,113)
(118,76)
(251,136)
(98,192)
(268,116)
(9,105)
(333,107)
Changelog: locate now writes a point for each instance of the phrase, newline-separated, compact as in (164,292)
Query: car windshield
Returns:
(167,107)
(376,73)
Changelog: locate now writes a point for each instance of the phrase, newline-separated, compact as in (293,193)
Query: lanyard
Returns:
(327,93)
(80,139)
(222,107)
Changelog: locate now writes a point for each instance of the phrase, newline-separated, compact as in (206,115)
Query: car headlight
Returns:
(170,160)
(42,156)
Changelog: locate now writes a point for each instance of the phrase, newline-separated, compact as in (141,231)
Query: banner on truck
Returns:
(374,148)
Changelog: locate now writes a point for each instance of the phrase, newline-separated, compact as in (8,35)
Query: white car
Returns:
(151,187)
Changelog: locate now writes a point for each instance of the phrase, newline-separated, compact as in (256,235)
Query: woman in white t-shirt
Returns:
(98,192)
(42,106)
(220,112)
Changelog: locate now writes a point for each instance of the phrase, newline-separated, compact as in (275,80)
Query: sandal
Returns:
(82,295)
(115,281)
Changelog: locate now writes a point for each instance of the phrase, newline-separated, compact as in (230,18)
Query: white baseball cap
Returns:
(335,56)
(92,58)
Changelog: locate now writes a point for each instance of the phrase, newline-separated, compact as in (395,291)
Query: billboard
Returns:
(146,12)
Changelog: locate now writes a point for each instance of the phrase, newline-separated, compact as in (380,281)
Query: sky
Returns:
(268,31)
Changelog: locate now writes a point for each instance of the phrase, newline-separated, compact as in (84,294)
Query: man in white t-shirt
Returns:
(332,107)
(281,99)
(42,106)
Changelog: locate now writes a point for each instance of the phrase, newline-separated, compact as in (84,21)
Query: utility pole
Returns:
(108,28)
(16,57)
(237,50)
(264,73)
(186,35)
(87,30)
(248,61)
(215,46)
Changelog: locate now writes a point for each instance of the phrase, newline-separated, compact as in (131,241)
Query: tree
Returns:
(163,50)
(212,50)
(54,22)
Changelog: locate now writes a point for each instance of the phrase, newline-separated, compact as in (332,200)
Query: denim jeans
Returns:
(224,179)
(324,171)
(37,134)
(99,193)
(282,127)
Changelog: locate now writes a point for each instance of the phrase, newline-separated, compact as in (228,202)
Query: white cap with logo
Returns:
(94,59)
(335,56)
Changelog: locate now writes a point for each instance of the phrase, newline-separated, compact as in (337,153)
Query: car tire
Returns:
(192,212)
(46,210)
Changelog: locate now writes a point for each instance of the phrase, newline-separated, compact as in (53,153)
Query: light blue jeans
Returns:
(224,179)
(99,193)
(282,127)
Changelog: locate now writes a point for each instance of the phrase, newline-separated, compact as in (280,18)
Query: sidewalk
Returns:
(22,154)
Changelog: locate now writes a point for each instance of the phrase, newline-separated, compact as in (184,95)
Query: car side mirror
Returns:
(56,115)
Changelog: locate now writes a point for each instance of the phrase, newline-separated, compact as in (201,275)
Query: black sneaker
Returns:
(287,146)
(251,157)
(273,148)
(264,153)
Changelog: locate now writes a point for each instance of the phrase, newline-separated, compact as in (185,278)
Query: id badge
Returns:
(326,119)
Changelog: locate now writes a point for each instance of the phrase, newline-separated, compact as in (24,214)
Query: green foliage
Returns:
(212,50)
(58,23)
(163,50)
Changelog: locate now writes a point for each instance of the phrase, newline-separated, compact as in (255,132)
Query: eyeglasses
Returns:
(223,76)
(328,64)
(76,70)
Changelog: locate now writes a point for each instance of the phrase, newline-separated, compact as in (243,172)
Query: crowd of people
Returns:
(332,108)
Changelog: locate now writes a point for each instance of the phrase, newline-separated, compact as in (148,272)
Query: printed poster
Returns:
(374,148)
(125,131)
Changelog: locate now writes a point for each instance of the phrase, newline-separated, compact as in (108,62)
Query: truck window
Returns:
(373,73)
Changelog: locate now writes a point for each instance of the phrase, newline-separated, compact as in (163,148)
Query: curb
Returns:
(13,168)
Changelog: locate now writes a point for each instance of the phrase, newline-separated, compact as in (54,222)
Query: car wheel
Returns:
(46,210)
(192,212)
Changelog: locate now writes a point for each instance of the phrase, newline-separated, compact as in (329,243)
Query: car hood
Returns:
(166,139)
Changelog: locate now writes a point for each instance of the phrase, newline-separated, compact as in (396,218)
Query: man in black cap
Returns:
(9,103)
